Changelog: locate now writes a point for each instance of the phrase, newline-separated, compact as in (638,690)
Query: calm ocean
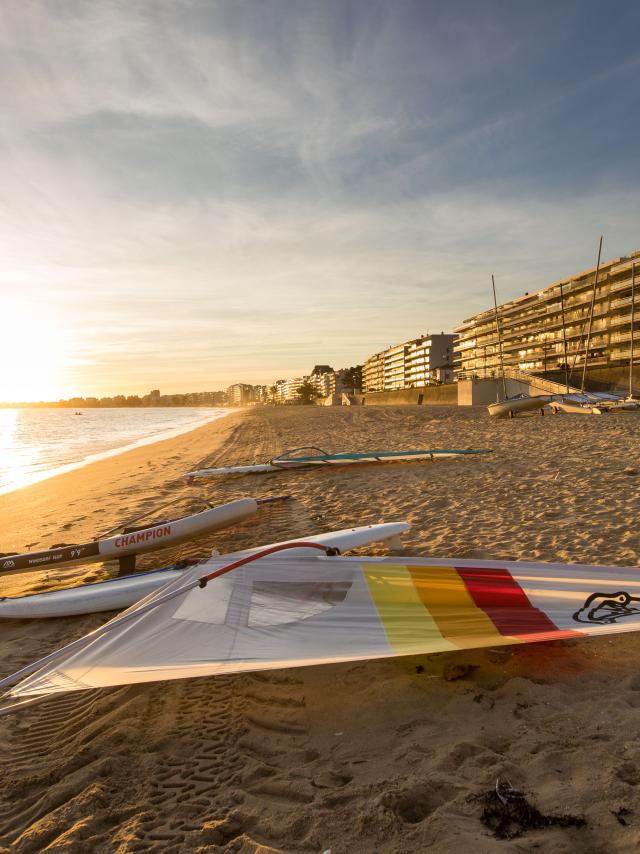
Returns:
(38,443)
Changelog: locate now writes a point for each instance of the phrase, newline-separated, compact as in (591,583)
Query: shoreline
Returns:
(111,452)
(30,514)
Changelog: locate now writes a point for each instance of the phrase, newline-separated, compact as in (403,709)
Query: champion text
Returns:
(142,536)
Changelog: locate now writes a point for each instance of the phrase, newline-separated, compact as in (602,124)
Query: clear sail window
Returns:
(277,602)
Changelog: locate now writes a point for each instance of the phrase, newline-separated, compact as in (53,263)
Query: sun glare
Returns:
(33,354)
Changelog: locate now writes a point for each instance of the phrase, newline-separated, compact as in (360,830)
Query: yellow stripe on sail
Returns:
(409,627)
(444,594)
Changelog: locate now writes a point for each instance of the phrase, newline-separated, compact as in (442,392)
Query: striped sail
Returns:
(289,612)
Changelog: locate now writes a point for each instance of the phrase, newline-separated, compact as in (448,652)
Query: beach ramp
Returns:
(281,611)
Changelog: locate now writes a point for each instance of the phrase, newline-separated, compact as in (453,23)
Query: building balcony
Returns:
(620,355)
(620,320)
(624,336)
(621,284)
(622,301)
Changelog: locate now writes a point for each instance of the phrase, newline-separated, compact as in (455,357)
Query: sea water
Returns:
(38,443)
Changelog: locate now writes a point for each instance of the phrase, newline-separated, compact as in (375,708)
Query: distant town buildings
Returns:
(193,398)
(322,382)
(154,398)
(533,327)
(427,360)
(241,394)
(323,379)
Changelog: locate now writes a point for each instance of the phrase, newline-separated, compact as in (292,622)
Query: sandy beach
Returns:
(389,756)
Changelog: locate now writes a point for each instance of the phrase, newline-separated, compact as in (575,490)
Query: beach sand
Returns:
(388,756)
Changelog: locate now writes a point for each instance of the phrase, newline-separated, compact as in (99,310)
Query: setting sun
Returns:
(33,355)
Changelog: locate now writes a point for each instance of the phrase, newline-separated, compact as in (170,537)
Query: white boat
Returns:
(135,542)
(578,404)
(511,406)
(113,594)
(566,407)
(629,404)
(118,593)
(288,461)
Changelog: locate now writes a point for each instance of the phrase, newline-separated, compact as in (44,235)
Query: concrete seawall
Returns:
(475,392)
(440,395)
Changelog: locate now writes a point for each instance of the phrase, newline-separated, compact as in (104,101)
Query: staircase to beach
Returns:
(538,384)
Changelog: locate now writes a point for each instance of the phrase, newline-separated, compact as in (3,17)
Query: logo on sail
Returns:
(606,608)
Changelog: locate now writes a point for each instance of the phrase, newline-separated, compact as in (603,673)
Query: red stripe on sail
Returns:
(502,599)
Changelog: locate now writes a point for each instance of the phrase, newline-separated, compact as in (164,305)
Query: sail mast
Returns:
(495,303)
(564,340)
(593,300)
(633,305)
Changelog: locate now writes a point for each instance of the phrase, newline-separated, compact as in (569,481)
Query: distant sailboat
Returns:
(509,407)
(585,403)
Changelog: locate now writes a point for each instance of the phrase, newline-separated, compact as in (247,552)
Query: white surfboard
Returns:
(322,460)
(118,593)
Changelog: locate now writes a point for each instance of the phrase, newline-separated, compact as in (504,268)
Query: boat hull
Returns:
(136,542)
(566,407)
(509,408)
(625,406)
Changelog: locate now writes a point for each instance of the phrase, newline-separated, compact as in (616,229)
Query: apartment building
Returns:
(394,367)
(428,360)
(420,362)
(239,394)
(324,379)
(277,391)
(373,373)
(324,382)
(290,389)
(534,326)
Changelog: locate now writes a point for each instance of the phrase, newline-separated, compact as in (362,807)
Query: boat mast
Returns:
(633,302)
(593,300)
(564,340)
(495,303)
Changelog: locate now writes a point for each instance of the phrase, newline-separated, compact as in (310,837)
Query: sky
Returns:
(196,193)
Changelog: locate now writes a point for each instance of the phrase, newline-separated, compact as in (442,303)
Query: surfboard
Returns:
(290,462)
(118,593)
(134,542)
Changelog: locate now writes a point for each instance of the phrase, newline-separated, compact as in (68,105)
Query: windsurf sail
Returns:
(293,459)
(280,611)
